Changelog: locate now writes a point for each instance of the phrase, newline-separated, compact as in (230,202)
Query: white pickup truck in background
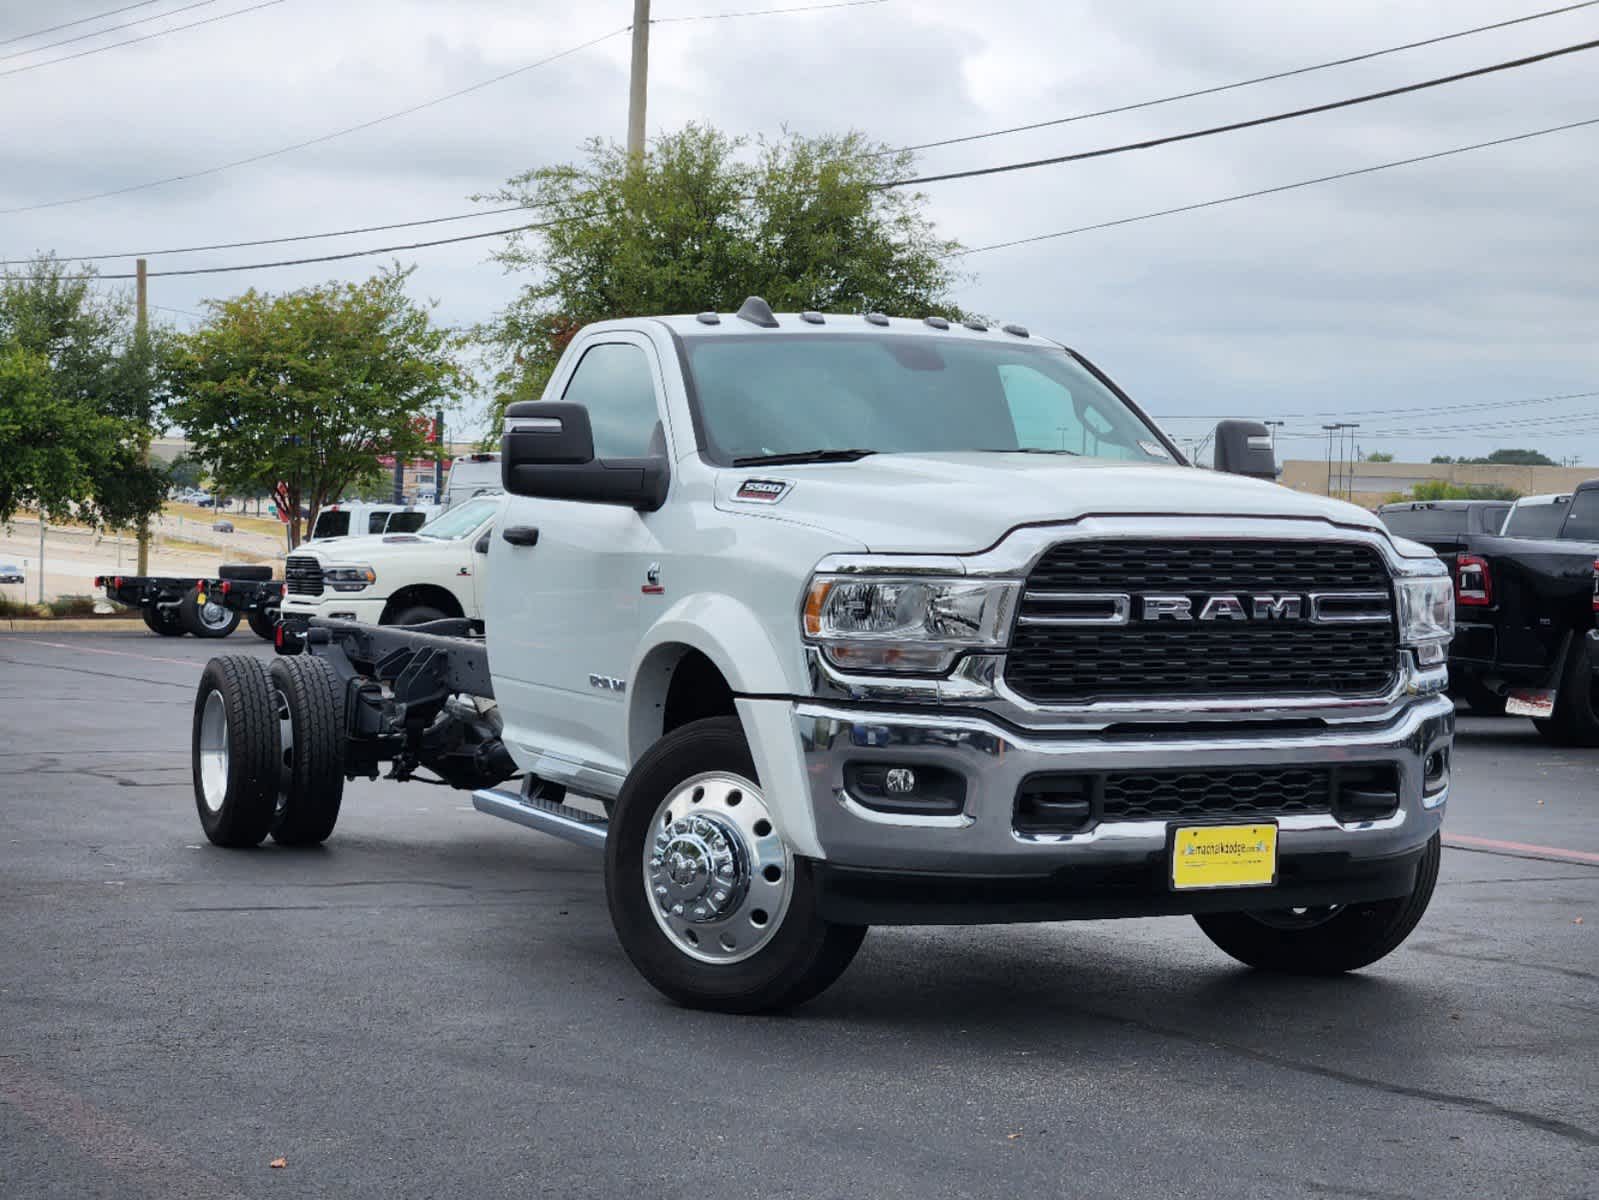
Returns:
(397,578)
(837,621)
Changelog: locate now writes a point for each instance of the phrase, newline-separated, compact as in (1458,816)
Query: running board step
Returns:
(546,816)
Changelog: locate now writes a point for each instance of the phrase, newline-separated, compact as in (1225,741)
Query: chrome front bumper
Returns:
(994,760)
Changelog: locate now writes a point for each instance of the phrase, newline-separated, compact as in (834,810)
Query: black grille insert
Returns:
(1056,664)
(303,575)
(1224,792)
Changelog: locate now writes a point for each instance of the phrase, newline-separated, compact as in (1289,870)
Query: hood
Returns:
(365,549)
(964,502)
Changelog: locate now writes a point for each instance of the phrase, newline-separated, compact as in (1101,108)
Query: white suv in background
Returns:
(396,579)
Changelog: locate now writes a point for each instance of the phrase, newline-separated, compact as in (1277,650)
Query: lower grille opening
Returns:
(1071,802)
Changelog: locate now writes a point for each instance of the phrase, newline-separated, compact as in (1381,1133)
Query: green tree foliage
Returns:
(185,471)
(1380,456)
(310,387)
(1441,489)
(1503,458)
(705,221)
(79,399)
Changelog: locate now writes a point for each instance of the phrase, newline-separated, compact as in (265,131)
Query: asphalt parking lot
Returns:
(433,1005)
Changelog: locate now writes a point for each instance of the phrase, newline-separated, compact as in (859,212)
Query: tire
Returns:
(1482,700)
(1576,719)
(1347,938)
(416,614)
(213,619)
(164,621)
(234,751)
(770,950)
(251,571)
(263,623)
(310,699)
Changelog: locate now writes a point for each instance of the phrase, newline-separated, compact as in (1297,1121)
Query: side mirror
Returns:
(482,544)
(548,451)
(1244,448)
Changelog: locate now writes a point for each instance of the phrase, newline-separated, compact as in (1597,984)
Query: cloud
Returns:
(1464,279)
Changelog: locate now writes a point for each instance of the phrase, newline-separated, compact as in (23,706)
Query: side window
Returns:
(374,523)
(615,382)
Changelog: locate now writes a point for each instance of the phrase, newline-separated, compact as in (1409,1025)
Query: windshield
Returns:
(1537,520)
(774,395)
(460,520)
(1423,523)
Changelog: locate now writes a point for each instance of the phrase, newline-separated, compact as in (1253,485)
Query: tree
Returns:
(705,221)
(1442,489)
(1379,456)
(1520,458)
(79,399)
(185,471)
(310,387)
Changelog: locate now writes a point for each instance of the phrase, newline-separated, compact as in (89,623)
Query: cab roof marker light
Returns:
(976,326)
(757,312)
(708,318)
(811,317)
(876,318)
(936,322)
(1017,330)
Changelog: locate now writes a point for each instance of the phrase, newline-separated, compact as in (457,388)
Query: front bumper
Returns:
(911,863)
(299,610)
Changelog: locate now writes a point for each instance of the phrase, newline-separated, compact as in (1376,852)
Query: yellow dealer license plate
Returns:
(1223,856)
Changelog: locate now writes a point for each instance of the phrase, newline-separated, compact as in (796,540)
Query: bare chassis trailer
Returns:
(173,605)
(274,745)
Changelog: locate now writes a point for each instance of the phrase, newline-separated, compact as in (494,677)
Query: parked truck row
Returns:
(811,622)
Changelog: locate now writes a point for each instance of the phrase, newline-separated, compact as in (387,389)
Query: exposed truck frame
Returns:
(207,607)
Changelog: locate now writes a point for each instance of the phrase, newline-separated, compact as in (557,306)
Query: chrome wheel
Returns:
(717,875)
(213,615)
(280,705)
(214,752)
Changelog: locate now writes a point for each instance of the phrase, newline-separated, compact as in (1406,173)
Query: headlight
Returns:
(349,578)
(1427,615)
(916,624)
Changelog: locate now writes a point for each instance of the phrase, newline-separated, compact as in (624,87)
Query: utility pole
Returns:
(1272,427)
(141,333)
(438,452)
(1329,429)
(638,82)
(1354,457)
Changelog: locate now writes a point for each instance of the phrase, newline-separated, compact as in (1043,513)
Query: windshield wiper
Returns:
(801,456)
(1029,450)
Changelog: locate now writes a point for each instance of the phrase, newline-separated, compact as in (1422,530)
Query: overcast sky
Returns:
(1465,281)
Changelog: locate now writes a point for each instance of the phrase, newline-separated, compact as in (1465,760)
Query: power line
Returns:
(22,37)
(974,250)
(111,29)
(775,12)
(322,258)
(50,62)
(382,119)
(1233,126)
(1368,412)
(274,241)
(1227,87)
(1285,187)
(326,137)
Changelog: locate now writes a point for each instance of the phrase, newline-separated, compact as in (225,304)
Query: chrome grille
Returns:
(303,575)
(1076,642)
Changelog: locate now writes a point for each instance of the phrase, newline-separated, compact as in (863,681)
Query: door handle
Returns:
(521,535)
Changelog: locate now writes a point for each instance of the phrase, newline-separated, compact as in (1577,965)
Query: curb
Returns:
(71,625)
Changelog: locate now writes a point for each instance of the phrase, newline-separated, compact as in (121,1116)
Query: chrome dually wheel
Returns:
(718,875)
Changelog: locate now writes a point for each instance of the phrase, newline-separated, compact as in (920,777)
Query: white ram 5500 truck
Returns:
(814,622)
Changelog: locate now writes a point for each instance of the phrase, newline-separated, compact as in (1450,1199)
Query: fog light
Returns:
(925,790)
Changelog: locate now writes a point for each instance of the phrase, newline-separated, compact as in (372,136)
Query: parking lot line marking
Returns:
(1462,841)
(182,662)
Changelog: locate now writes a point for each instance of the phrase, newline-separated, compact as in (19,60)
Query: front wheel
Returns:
(1325,941)
(235,751)
(263,623)
(708,901)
